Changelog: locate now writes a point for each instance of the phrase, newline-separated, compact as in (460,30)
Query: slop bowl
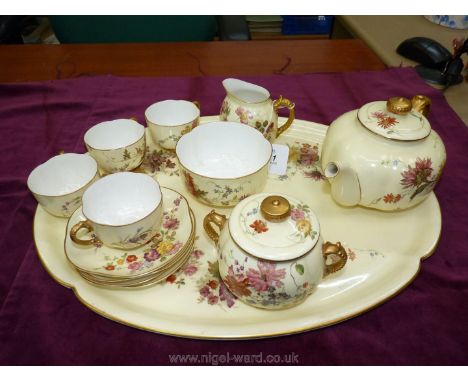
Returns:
(224,162)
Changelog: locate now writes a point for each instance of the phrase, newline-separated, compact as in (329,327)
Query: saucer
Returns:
(170,243)
(147,281)
(149,278)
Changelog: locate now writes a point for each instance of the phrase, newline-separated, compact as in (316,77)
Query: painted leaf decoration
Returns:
(300,269)
(213,269)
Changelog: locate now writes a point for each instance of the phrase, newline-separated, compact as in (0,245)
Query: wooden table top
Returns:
(234,58)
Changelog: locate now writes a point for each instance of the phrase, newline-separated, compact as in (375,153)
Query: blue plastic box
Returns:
(307,24)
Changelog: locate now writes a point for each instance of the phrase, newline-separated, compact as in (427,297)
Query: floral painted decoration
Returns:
(384,120)
(418,179)
(262,283)
(211,289)
(259,226)
(299,216)
(159,160)
(159,249)
(223,195)
(71,205)
(304,159)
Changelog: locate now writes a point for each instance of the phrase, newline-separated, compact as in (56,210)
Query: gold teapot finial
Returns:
(399,105)
(275,208)
(421,104)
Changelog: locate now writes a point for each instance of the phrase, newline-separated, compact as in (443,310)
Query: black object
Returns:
(10,31)
(233,28)
(425,51)
(439,67)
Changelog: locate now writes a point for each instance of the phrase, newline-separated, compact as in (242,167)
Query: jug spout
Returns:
(245,91)
(344,183)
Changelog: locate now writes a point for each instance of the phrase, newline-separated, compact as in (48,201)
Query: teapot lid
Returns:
(274,227)
(396,118)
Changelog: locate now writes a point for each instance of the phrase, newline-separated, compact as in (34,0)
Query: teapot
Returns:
(251,104)
(270,251)
(384,155)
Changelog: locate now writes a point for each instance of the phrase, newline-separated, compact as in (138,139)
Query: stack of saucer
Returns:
(146,265)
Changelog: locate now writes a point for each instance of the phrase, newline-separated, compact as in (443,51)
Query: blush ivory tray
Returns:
(384,255)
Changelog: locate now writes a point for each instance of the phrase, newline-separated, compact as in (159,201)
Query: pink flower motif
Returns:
(378,114)
(197,253)
(351,254)
(190,269)
(171,223)
(225,295)
(315,175)
(175,248)
(266,276)
(297,214)
(135,265)
(417,175)
(177,201)
(151,255)
(244,115)
(212,299)
(205,291)
(309,154)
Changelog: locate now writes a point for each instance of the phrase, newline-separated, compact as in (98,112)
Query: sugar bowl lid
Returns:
(398,118)
(274,227)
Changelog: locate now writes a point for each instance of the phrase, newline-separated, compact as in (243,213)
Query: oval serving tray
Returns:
(384,255)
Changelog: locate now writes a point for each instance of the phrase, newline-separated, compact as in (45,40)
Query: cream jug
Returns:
(251,104)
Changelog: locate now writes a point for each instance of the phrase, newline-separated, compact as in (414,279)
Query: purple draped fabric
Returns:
(42,322)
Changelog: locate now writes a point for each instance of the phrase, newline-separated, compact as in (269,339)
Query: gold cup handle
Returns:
(279,104)
(84,224)
(336,249)
(197,104)
(218,220)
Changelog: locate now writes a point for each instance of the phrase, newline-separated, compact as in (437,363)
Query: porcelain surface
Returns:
(172,238)
(123,210)
(169,120)
(381,160)
(117,145)
(58,184)
(195,303)
(251,104)
(271,264)
(222,163)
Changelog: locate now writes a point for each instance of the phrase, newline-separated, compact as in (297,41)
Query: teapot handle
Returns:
(280,103)
(336,249)
(214,218)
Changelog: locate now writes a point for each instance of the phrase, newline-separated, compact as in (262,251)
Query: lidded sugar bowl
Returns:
(270,251)
(384,155)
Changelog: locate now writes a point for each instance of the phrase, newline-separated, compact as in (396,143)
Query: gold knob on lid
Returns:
(275,208)
(399,105)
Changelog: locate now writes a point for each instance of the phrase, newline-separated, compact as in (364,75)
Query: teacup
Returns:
(123,210)
(59,183)
(169,120)
(224,162)
(117,145)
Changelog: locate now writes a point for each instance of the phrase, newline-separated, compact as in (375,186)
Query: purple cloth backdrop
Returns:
(41,322)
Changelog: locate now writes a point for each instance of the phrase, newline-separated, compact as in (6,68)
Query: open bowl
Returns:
(59,183)
(224,162)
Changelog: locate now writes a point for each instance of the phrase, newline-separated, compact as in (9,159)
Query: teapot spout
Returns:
(344,183)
